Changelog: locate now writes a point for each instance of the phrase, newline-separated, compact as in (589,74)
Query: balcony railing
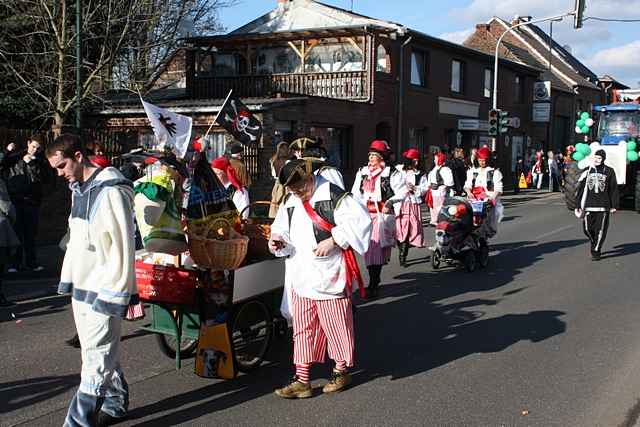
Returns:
(352,85)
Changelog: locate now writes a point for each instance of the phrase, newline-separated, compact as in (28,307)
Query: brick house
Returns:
(574,87)
(309,69)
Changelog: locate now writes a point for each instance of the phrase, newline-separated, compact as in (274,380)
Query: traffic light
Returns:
(578,14)
(493,122)
(503,121)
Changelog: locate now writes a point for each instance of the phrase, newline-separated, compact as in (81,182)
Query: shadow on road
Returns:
(22,394)
(622,250)
(35,308)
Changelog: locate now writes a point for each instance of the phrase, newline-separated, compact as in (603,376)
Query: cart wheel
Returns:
(436,258)
(483,254)
(168,345)
(470,261)
(251,332)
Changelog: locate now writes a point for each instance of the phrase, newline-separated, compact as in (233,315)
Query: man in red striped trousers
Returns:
(319,227)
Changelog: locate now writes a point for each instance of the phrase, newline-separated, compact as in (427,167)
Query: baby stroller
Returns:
(462,233)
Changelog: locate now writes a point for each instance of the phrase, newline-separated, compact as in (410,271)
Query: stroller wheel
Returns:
(436,258)
(470,261)
(483,255)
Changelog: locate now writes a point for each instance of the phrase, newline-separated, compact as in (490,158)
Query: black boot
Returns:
(402,254)
(405,253)
(374,280)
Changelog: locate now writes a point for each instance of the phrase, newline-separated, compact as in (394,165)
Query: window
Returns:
(488,82)
(383,63)
(333,57)
(417,139)
(518,90)
(337,142)
(457,76)
(419,68)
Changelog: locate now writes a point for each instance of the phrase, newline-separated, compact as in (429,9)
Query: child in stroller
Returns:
(462,232)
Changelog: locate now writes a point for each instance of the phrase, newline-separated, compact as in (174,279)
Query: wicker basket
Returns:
(216,254)
(258,230)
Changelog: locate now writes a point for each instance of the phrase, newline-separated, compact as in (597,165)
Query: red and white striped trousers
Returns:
(318,324)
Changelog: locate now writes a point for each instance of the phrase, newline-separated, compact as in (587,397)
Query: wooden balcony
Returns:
(352,85)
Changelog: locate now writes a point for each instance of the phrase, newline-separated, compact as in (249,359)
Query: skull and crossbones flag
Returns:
(172,131)
(236,118)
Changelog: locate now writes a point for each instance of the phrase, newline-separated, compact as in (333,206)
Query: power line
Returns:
(595,18)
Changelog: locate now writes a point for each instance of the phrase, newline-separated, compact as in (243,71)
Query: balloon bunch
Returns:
(584,123)
(582,151)
(632,153)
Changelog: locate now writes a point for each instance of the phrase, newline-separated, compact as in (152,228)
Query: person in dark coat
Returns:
(25,173)
(8,239)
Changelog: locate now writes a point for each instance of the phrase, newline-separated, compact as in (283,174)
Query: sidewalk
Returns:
(28,284)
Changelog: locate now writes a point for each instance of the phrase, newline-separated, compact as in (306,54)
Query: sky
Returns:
(605,47)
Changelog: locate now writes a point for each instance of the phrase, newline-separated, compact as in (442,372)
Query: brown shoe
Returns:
(338,382)
(295,390)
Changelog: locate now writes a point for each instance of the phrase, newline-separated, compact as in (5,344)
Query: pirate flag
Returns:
(236,118)
(172,131)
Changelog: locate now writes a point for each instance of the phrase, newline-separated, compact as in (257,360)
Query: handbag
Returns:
(386,229)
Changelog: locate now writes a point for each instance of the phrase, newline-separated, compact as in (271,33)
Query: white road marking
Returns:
(556,231)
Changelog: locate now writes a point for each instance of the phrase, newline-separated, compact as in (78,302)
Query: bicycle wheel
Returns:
(168,345)
(251,333)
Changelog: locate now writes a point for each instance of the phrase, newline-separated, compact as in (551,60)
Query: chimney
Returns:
(483,27)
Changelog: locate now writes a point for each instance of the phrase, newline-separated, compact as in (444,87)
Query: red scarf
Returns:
(348,256)
(370,182)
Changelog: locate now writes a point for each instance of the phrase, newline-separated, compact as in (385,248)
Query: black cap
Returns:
(236,148)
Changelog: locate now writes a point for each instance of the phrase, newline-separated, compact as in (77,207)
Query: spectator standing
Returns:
(277,162)
(537,171)
(553,171)
(8,239)
(236,154)
(24,172)
(459,170)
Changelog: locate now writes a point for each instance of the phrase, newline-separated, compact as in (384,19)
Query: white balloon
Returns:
(589,122)
(452,210)
(578,129)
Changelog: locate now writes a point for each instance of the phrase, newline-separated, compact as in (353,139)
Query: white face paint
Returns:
(597,160)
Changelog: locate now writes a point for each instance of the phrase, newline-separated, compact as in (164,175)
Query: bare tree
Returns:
(125,44)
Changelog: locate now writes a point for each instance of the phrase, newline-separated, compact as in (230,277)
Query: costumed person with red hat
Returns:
(319,228)
(378,186)
(485,183)
(408,216)
(237,192)
(439,183)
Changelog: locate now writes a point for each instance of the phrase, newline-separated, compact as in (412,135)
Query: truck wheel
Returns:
(572,174)
(637,192)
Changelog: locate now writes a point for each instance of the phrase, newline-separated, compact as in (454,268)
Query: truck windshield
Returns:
(622,123)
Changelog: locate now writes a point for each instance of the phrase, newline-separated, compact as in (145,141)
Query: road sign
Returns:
(541,111)
(514,122)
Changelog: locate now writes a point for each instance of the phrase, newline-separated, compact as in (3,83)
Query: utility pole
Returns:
(497,51)
(78,65)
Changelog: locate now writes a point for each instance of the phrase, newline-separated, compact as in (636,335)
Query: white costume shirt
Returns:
(241,200)
(481,180)
(332,175)
(432,178)
(410,177)
(319,278)
(396,181)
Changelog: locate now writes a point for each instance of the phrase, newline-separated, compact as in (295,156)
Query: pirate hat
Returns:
(484,153)
(380,148)
(295,171)
(302,144)
(411,154)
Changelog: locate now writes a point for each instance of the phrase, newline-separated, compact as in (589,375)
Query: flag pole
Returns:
(216,118)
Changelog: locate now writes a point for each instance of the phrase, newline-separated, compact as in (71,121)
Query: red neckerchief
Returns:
(348,256)
(370,182)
